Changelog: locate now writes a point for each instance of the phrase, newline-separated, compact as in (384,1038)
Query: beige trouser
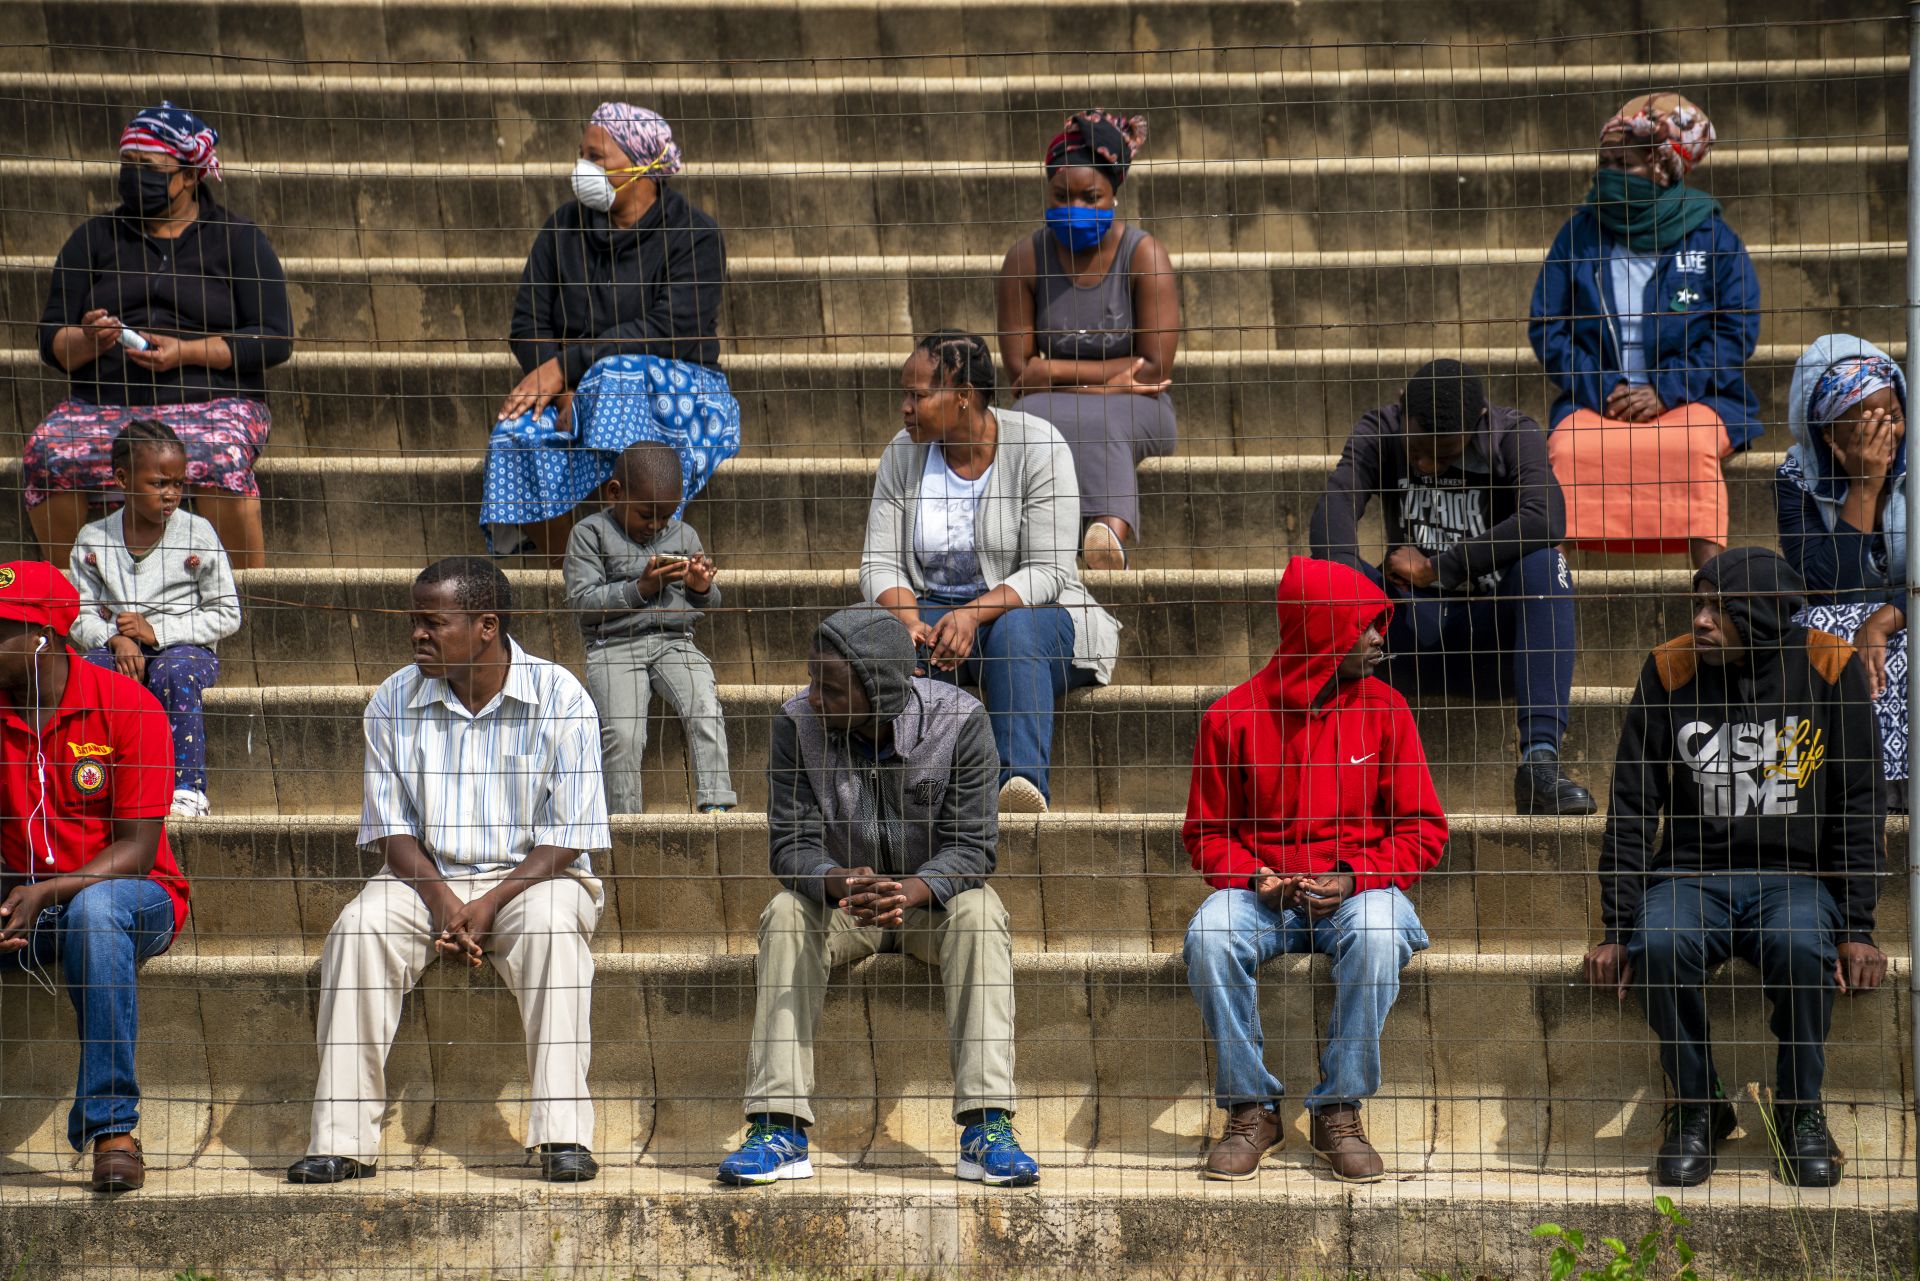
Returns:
(802,938)
(375,954)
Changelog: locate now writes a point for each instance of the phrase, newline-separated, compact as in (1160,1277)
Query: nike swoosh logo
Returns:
(1358,760)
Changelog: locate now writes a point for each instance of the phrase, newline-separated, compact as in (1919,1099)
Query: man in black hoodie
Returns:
(1483,597)
(1756,739)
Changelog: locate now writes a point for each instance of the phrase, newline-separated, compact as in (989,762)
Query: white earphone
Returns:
(42,645)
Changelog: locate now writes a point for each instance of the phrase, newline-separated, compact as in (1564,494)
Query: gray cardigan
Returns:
(1026,533)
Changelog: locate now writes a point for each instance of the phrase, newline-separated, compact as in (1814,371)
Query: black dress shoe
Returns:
(1694,1134)
(327,1169)
(1540,788)
(567,1163)
(1809,1158)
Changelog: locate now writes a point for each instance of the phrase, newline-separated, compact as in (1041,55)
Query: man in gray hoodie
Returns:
(883,825)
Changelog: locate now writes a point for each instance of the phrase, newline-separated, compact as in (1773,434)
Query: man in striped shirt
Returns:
(484,795)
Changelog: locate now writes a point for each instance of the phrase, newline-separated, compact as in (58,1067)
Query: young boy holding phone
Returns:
(638,581)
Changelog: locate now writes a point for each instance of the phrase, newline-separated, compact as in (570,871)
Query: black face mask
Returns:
(143,190)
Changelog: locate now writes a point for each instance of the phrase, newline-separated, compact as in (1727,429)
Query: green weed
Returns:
(1640,1263)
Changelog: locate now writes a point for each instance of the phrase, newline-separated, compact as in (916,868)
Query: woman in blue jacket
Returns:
(1644,316)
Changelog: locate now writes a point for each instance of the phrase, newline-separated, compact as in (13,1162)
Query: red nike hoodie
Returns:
(1280,783)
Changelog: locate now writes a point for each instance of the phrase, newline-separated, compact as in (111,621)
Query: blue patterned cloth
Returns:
(1890,709)
(536,473)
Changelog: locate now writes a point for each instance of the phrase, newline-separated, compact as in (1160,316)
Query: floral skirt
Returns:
(536,472)
(72,449)
(1890,709)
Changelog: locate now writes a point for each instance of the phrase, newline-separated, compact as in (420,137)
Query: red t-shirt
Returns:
(106,754)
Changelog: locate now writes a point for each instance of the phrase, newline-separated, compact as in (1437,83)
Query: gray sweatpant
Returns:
(622,676)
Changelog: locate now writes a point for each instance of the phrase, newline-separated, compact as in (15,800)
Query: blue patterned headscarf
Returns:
(1848,382)
(168,130)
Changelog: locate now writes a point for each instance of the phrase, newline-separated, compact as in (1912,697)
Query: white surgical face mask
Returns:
(592,187)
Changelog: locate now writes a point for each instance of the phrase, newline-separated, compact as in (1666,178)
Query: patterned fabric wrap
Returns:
(1099,140)
(642,134)
(1890,709)
(1675,132)
(536,472)
(70,449)
(1848,383)
(168,130)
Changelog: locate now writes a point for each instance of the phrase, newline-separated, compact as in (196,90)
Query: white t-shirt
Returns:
(943,527)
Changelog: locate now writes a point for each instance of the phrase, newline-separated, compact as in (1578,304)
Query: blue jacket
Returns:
(1703,321)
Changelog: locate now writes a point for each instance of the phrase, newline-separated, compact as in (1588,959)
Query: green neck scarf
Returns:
(1649,217)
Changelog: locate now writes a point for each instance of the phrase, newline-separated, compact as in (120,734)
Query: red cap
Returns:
(33,591)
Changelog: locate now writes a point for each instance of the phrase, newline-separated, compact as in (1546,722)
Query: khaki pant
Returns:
(375,954)
(802,938)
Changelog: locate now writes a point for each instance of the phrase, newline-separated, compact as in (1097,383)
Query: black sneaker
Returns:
(1694,1135)
(1539,787)
(1808,1157)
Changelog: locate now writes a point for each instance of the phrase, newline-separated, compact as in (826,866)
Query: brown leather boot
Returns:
(117,1164)
(1253,1129)
(1338,1136)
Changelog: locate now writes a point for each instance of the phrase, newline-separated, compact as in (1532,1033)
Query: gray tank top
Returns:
(1091,323)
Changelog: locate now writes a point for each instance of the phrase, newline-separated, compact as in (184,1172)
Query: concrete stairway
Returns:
(1337,213)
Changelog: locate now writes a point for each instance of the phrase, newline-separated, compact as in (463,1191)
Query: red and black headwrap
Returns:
(1101,141)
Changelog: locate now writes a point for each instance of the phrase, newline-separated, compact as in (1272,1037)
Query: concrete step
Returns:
(1230,301)
(317,627)
(1072,882)
(746,37)
(1113,1066)
(1197,513)
(1122,748)
(1274,396)
(1284,102)
(1146,1220)
(1846,188)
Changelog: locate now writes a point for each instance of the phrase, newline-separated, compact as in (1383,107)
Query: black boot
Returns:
(1695,1132)
(1539,787)
(1808,1158)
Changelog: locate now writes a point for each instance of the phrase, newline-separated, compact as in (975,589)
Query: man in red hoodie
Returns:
(1311,810)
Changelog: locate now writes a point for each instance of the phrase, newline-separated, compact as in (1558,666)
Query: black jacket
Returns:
(1770,765)
(1473,521)
(591,290)
(220,278)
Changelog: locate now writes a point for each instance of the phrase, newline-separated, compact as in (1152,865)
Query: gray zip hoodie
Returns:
(927,805)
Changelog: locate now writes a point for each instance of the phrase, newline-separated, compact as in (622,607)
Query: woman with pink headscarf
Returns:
(171,309)
(1645,315)
(615,329)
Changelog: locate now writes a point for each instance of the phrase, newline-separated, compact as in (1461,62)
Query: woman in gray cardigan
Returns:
(971,541)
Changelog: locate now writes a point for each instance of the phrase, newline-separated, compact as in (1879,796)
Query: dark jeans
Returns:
(97,938)
(1516,642)
(1023,663)
(1786,926)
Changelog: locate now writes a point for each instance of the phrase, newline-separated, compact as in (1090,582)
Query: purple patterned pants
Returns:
(178,675)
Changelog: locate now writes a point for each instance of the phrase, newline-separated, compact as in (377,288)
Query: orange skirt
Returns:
(1642,487)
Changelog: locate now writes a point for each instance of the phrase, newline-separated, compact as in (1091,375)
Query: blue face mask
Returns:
(1077,227)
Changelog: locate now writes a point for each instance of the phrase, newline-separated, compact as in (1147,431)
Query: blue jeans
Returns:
(1023,663)
(1516,642)
(1786,926)
(1370,937)
(178,676)
(98,937)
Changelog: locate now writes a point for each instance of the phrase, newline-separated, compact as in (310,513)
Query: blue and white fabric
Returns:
(536,472)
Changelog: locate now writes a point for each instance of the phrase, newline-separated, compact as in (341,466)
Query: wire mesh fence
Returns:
(1310,520)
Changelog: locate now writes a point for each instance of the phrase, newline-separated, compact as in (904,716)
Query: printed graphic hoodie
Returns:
(1771,765)
(1281,783)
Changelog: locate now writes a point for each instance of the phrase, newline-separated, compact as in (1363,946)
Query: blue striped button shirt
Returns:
(481,791)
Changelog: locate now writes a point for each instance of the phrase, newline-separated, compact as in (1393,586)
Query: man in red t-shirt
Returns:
(86,780)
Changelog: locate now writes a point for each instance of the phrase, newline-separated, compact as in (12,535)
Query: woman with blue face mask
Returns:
(1089,320)
(614,327)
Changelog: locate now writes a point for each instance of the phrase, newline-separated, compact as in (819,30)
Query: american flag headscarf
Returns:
(168,130)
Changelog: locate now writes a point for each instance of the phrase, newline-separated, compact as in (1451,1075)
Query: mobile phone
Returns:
(132,341)
(673,558)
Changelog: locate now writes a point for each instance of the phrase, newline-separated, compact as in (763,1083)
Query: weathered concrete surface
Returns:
(1151,1221)
(1490,1062)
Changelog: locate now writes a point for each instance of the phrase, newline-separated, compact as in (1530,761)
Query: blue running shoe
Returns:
(771,1152)
(990,1154)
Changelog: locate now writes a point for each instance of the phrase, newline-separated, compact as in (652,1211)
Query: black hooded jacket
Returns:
(927,805)
(1769,765)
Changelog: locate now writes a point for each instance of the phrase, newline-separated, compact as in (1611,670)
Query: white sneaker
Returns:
(1018,796)
(188,803)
